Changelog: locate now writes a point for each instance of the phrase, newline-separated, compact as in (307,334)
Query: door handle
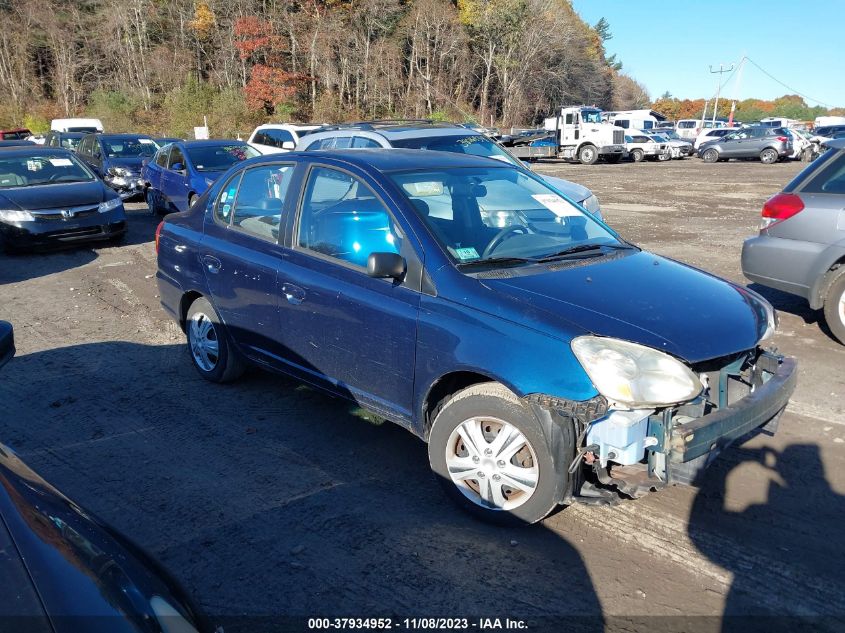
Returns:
(294,294)
(211,263)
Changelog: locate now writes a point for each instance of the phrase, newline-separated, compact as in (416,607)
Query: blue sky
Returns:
(670,45)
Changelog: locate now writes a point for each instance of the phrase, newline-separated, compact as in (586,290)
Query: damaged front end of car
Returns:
(627,449)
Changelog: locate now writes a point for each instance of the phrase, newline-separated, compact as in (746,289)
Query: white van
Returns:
(632,119)
(275,138)
(76,125)
(690,128)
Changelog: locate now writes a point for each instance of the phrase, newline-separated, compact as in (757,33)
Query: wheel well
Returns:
(187,299)
(446,386)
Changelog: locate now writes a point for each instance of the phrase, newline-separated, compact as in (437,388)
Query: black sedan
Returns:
(48,196)
(63,570)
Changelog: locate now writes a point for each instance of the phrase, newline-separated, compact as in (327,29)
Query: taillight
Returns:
(779,208)
(158,233)
(783,139)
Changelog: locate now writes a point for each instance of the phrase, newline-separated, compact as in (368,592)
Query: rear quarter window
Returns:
(827,177)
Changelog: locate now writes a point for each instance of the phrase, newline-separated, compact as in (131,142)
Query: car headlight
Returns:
(15,215)
(109,205)
(635,375)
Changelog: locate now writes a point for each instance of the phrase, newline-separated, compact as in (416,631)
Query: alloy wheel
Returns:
(492,463)
(205,345)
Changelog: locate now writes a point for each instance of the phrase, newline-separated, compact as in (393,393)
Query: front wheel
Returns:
(834,306)
(768,156)
(637,155)
(710,156)
(492,457)
(211,349)
(152,201)
(588,155)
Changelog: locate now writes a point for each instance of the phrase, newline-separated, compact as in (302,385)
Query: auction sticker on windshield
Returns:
(556,204)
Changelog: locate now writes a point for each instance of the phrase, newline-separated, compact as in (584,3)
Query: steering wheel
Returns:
(501,236)
(56,176)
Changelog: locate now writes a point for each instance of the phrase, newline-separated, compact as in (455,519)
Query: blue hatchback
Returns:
(181,172)
(544,359)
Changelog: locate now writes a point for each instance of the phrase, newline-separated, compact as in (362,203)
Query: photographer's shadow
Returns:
(785,554)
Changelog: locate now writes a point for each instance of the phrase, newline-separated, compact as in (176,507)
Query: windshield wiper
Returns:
(502,261)
(594,250)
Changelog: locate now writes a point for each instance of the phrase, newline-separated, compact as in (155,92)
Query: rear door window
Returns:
(364,143)
(176,158)
(161,157)
(257,209)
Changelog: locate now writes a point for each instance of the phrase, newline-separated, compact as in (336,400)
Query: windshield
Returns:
(30,170)
(129,147)
(474,144)
(220,157)
(478,214)
(591,116)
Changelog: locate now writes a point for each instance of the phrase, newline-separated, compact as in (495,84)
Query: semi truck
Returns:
(582,137)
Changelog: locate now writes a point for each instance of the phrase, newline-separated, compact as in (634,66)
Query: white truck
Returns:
(583,137)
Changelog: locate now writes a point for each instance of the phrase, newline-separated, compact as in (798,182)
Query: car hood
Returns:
(72,194)
(571,190)
(649,300)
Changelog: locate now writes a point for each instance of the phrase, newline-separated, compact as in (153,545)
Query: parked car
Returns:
(520,353)
(827,131)
(711,134)
(68,140)
(16,143)
(802,144)
(443,137)
(17,134)
(275,138)
(65,571)
(801,245)
(679,147)
(641,146)
(49,196)
(118,159)
(767,144)
(181,172)
(91,126)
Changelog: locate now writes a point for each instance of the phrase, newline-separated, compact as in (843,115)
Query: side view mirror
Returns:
(7,342)
(386,265)
(288,145)
(177,167)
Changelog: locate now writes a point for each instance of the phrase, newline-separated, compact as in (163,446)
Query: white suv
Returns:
(446,137)
(275,138)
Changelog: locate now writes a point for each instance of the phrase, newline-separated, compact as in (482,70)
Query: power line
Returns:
(773,78)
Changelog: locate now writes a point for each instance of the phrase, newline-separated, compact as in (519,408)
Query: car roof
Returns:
(395,159)
(396,130)
(211,142)
(34,150)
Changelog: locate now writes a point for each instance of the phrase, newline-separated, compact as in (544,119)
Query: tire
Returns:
(710,156)
(613,158)
(152,201)
(807,155)
(477,416)
(588,155)
(637,155)
(834,306)
(191,199)
(203,328)
(769,156)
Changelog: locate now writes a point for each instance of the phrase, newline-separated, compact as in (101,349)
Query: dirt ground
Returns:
(269,500)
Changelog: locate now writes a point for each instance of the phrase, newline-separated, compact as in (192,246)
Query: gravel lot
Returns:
(268,499)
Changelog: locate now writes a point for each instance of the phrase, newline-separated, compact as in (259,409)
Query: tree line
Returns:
(161,65)
(747,110)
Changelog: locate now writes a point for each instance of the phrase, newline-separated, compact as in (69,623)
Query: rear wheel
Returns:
(152,201)
(768,156)
(492,457)
(637,155)
(209,343)
(834,306)
(588,155)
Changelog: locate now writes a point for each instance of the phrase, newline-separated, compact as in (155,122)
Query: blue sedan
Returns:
(544,359)
(181,172)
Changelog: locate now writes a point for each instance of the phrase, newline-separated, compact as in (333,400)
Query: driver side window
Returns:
(342,218)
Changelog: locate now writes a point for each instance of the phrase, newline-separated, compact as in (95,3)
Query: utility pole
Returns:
(736,91)
(721,71)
